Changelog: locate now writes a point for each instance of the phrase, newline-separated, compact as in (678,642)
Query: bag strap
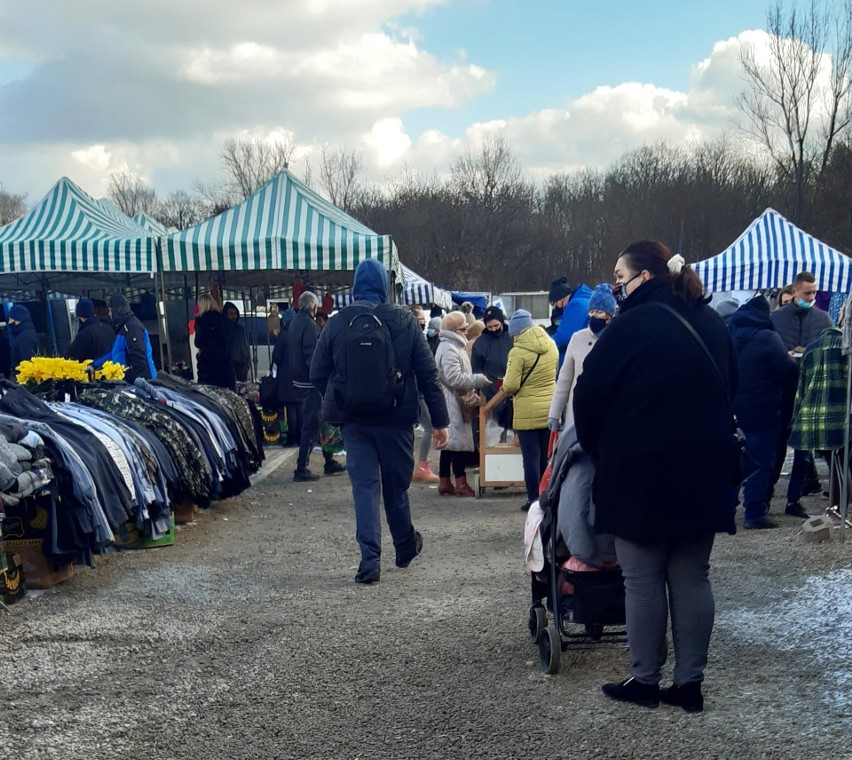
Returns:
(694,333)
(529,372)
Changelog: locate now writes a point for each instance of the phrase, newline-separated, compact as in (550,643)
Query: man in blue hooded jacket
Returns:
(132,346)
(379,447)
(575,311)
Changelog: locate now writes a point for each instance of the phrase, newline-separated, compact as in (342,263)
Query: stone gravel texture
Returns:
(248,639)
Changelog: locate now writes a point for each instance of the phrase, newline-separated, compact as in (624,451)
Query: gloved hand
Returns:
(552,424)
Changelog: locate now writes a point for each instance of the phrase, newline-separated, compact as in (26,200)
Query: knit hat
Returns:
(520,321)
(492,313)
(602,299)
(19,313)
(559,289)
(435,324)
(85,308)
(118,304)
(727,307)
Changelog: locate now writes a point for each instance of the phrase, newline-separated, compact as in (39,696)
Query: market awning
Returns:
(152,226)
(69,231)
(769,254)
(284,226)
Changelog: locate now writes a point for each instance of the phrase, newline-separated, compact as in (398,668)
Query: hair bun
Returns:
(676,263)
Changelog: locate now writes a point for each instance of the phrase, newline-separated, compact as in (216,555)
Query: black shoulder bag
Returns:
(737,436)
(506,416)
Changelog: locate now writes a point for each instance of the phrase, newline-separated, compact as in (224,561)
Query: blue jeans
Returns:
(761,447)
(534,452)
(380,463)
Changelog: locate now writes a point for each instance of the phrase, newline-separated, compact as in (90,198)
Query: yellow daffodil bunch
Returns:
(41,368)
(110,371)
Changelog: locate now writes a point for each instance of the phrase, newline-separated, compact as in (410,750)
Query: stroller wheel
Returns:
(549,650)
(537,622)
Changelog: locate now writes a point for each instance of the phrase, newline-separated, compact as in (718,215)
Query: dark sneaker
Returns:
(813,489)
(368,576)
(333,468)
(304,476)
(794,509)
(688,696)
(760,523)
(418,541)
(645,695)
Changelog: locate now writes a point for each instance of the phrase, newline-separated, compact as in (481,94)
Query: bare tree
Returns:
(249,163)
(340,174)
(131,194)
(12,206)
(487,173)
(182,210)
(799,102)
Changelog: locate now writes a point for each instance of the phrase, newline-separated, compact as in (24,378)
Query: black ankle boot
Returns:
(646,695)
(688,696)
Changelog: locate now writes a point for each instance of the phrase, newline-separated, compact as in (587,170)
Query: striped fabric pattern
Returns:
(151,226)
(417,290)
(69,231)
(284,226)
(769,254)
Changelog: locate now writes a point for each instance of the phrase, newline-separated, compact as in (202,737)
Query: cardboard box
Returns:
(185,512)
(39,571)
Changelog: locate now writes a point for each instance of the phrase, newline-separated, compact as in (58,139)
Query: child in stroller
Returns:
(574,571)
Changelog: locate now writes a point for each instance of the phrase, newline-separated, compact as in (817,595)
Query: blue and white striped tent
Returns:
(769,254)
(284,227)
(417,290)
(69,231)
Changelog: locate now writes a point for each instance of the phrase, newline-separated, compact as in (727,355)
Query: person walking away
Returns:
(767,384)
(575,311)
(654,412)
(132,345)
(820,412)
(369,363)
(457,379)
(238,345)
(601,311)
(94,336)
(211,340)
(288,397)
(301,344)
(530,382)
(799,324)
(25,343)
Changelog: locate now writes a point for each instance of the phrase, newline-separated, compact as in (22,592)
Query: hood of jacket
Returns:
(581,293)
(745,322)
(19,313)
(230,305)
(371,282)
(22,327)
(534,339)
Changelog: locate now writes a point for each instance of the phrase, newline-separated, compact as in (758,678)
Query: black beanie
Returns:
(559,289)
(492,313)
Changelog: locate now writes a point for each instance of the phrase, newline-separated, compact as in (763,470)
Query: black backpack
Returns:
(373,385)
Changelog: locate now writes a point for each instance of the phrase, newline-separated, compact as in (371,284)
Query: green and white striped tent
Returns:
(69,231)
(282,231)
(152,226)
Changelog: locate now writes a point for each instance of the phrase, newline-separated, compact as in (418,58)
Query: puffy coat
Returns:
(653,413)
(572,367)
(532,400)
(131,348)
(575,317)
(455,375)
(798,326)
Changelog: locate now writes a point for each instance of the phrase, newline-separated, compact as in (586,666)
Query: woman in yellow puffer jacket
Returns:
(531,381)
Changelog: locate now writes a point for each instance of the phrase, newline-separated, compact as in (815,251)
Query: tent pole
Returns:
(844,477)
(48,315)
(165,341)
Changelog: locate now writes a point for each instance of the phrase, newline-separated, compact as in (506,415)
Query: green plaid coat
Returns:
(820,413)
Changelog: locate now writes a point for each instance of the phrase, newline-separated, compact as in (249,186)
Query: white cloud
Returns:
(388,141)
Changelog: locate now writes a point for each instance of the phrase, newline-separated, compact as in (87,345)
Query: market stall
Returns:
(416,290)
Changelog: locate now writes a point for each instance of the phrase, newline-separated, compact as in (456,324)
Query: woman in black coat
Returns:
(654,413)
(211,340)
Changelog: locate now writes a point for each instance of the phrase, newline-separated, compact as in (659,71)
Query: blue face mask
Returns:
(804,304)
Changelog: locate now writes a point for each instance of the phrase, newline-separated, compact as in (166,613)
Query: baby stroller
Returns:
(582,604)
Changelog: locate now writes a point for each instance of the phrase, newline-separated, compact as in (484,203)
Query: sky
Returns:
(89,87)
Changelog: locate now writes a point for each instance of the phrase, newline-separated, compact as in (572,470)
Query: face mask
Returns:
(431,332)
(597,324)
(619,290)
(804,304)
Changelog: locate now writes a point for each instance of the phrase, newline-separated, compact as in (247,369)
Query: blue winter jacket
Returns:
(574,318)
(131,348)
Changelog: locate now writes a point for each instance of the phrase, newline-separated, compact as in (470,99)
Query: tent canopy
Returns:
(152,226)
(769,254)
(69,231)
(417,290)
(284,226)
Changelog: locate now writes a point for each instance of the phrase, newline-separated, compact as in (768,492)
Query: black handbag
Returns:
(738,438)
(269,393)
(505,415)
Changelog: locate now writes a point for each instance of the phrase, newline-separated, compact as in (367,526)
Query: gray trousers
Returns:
(659,577)
(426,422)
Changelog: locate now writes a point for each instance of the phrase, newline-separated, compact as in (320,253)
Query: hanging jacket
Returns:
(531,400)
(131,348)
(94,339)
(798,326)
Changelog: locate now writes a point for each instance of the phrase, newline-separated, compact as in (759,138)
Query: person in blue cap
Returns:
(369,363)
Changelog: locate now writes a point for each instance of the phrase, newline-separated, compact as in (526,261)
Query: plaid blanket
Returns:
(820,413)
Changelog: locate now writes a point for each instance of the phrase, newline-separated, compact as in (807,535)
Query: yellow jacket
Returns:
(532,401)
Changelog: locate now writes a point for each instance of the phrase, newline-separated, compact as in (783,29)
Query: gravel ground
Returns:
(248,639)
